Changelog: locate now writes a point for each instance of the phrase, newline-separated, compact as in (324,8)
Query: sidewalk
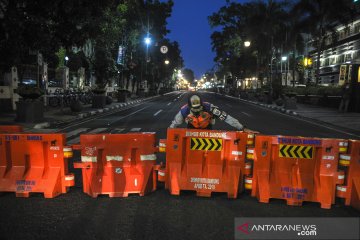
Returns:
(54,116)
(348,120)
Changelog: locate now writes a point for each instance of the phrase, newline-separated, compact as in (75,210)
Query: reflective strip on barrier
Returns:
(344,160)
(341,188)
(248,183)
(237,153)
(341,191)
(162,145)
(250,153)
(250,140)
(114,158)
(69,177)
(343,146)
(68,152)
(88,159)
(161,173)
(150,157)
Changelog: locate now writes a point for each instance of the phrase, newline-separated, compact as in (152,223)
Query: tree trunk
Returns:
(318,54)
(294,64)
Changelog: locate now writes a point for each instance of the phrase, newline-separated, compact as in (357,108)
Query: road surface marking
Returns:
(158,112)
(102,115)
(135,130)
(246,114)
(128,115)
(76,132)
(169,103)
(117,130)
(229,105)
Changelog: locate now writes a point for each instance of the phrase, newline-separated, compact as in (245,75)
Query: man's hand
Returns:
(189,119)
(250,131)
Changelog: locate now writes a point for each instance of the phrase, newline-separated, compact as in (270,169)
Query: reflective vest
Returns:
(202,121)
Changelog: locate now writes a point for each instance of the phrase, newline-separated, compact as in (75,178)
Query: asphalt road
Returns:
(158,215)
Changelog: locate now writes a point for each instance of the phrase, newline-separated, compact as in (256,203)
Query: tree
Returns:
(260,22)
(188,75)
(44,26)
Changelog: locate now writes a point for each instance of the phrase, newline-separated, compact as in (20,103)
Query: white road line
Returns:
(169,103)
(128,115)
(158,112)
(102,115)
(76,132)
(246,114)
(228,105)
(135,130)
(117,130)
(97,130)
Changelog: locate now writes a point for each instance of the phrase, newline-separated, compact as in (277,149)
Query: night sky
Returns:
(190,28)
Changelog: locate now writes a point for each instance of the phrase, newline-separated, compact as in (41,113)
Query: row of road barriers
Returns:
(295,169)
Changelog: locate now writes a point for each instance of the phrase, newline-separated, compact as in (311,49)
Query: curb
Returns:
(276,108)
(95,112)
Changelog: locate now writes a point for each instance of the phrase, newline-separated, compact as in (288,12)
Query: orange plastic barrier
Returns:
(118,164)
(296,169)
(205,161)
(10,129)
(351,189)
(32,163)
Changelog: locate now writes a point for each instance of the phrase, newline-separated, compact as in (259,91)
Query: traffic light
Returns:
(307,62)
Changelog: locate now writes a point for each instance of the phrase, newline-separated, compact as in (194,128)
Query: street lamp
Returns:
(66,60)
(283,59)
(167,62)
(147,41)
(247,43)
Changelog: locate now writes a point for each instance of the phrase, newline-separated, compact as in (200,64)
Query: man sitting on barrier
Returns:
(201,115)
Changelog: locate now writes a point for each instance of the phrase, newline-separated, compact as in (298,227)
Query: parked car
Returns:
(28,81)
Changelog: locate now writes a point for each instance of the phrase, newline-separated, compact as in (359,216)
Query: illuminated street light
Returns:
(66,60)
(167,62)
(247,43)
(147,41)
(284,58)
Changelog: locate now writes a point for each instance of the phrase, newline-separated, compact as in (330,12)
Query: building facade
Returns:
(342,50)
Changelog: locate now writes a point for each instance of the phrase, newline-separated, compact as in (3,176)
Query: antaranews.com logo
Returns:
(298,229)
